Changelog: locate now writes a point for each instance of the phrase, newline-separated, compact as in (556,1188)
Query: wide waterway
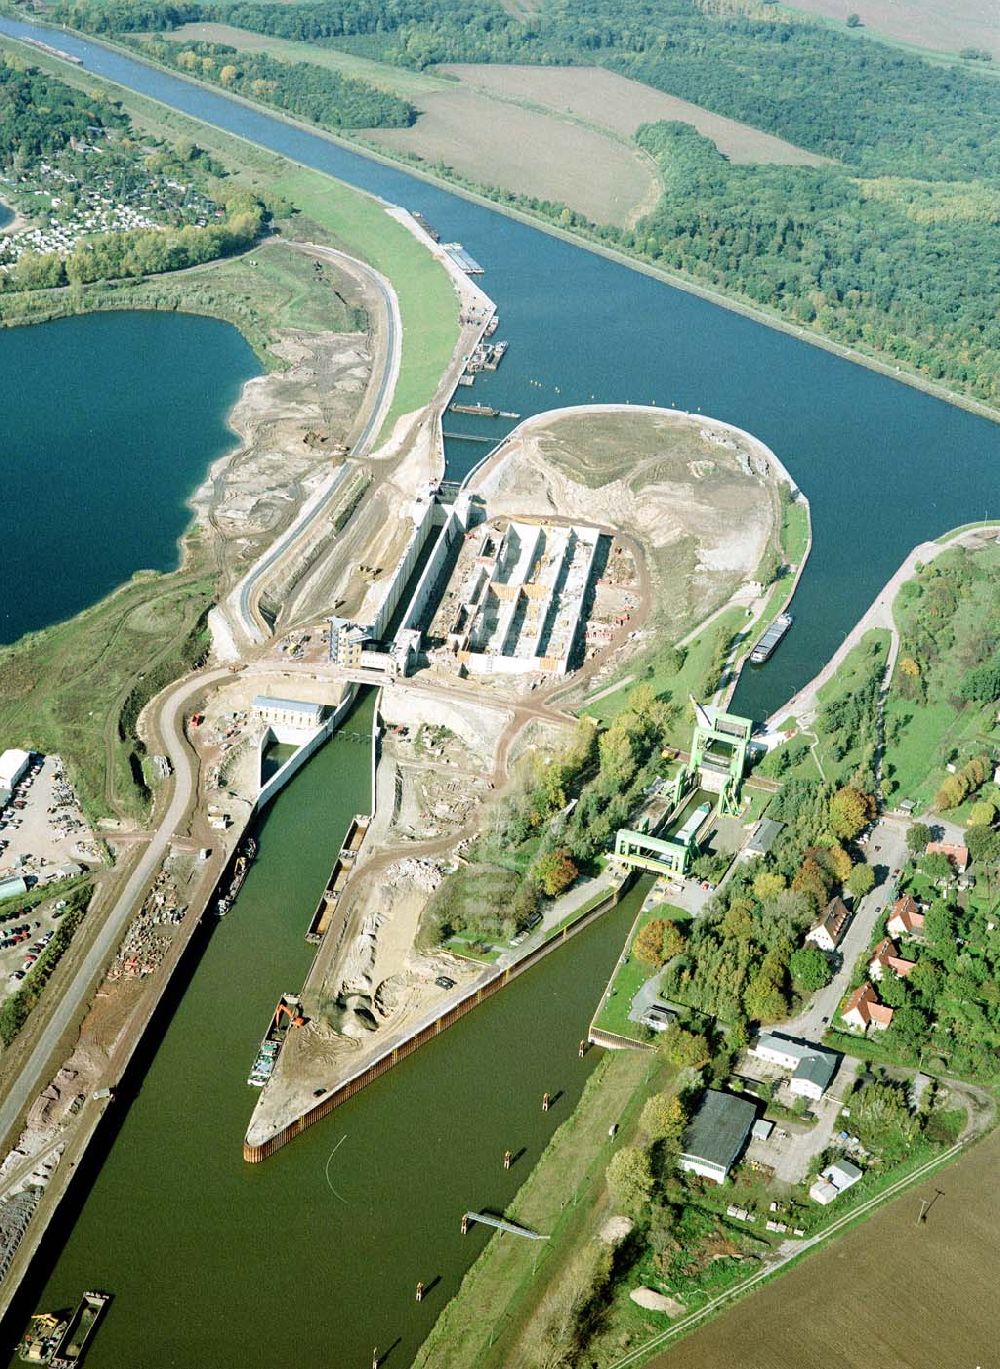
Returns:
(885,465)
(312,1257)
(107,424)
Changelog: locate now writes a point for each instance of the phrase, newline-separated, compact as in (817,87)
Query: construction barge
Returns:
(462,259)
(481,411)
(241,865)
(287,1013)
(51,1339)
(769,642)
(342,867)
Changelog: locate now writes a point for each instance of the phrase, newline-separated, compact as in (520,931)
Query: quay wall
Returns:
(405,568)
(454,527)
(254,1154)
(92,1114)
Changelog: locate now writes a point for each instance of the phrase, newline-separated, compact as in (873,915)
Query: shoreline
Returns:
(755,313)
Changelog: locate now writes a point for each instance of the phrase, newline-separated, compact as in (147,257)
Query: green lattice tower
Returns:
(719,754)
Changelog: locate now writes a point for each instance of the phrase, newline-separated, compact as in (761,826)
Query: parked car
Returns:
(443,982)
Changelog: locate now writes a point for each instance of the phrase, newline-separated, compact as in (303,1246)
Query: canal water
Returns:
(107,424)
(885,465)
(312,1257)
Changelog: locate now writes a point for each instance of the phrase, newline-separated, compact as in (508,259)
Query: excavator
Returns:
(288,1006)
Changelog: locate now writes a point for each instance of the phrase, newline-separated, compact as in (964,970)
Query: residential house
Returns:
(811,1067)
(831,926)
(906,919)
(886,957)
(863,1010)
(954,850)
(716,1135)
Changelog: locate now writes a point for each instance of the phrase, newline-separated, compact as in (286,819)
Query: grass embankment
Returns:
(630,974)
(698,670)
(502,1291)
(947,621)
(76,688)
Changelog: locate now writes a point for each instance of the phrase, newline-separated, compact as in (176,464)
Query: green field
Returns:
(795,531)
(838,759)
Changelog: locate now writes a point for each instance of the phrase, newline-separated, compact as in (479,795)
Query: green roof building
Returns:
(716,1135)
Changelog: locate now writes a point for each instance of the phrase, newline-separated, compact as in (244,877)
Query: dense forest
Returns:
(894,247)
(310,91)
(39,116)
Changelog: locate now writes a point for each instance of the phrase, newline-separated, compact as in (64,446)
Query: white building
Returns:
(294,713)
(13,764)
(833,1181)
(811,1067)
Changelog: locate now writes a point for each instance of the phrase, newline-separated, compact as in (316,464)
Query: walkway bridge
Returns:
(501,1224)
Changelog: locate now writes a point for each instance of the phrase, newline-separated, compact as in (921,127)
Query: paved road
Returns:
(890,836)
(241,600)
(24,1087)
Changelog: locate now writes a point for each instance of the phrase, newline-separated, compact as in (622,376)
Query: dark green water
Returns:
(107,425)
(312,1257)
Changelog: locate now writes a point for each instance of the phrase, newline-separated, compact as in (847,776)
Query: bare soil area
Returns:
(622,105)
(942,25)
(529,152)
(699,498)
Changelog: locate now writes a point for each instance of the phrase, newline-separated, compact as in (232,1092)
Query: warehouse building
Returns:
(13,764)
(716,1135)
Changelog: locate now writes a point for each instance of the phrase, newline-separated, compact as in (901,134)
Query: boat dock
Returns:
(342,867)
(769,641)
(462,259)
(73,1345)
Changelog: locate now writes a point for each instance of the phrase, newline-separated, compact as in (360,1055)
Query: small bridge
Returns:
(501,1224)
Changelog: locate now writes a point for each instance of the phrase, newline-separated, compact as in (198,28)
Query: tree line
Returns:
(893,248)
(312,92)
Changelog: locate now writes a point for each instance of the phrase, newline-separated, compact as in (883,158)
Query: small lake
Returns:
(108,423)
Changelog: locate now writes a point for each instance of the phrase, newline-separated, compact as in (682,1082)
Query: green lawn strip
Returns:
(690,679)
(501,1291)
(795,531)
(427,303)
(587,906)
(628,978)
